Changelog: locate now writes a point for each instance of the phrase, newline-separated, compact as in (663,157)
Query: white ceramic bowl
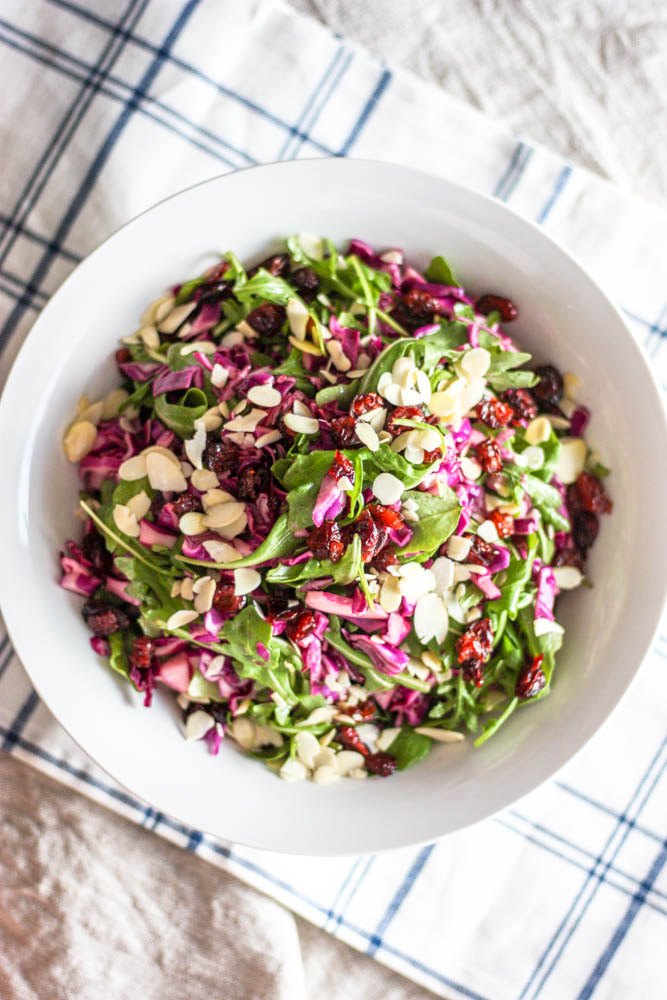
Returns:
(564,318)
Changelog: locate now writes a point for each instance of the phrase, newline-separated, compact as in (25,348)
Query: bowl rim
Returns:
(38,332)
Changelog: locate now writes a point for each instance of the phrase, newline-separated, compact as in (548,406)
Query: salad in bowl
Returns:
(331,506)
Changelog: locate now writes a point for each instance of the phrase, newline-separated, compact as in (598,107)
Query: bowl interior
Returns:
(564,318)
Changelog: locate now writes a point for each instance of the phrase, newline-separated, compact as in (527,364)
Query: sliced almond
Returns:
(192,523)
(112,403)
(414,455)
(198,346)
(326,775)
(79,440)
(475,363)
(470,468)
(181,618)
(488,532)
(348,760)
(430,620)
(545,626)
(264,395)
(247,422)
(205,594)
(125,520)
(93,413)
(306,346)
(187,588)
(157,449)
(173,319)
(221,552)
(243,731)
(472,393)
(307,748)
(533,457)
(139,505)
(297,317)
(210,420)
(204,479)
(219,376)
(223,514)
(538,431)
(387,488)
(571,459)
(293,770)
(158,310)
(301,425)
(234,529)
(246,580)
(164,475)
(428,440)
(441,735)
(194,447)
(214,497)
(367,436)
(340,359)
(269,438)
(567,577)
(390,594)
(198,724)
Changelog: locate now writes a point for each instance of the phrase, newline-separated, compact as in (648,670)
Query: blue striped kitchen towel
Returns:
(564,895)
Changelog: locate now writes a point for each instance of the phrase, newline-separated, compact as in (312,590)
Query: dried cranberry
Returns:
(186,503)
(97,553)
(222,458)
(497,303)
(386,557)
(568,557)
(585,526)
(531,679)
(403,413)
(522,403)
(431,456)
(267,319)
(364,404)
(363,712)
(143,651)
(476,642)
(382,764)
(102,618)
(481,553)
(275,607)
(213,292)
(368,532)
(386,516)
(489,456)
(549,390)
(341,466)
(587,493)
(225,601)
(325,542)
(301,625)
(254,479)
(504,524)
(306,282)
(122,356)
(414,309)
(493,413)
(349,737)
(343,432)
(473,672)
(278,264)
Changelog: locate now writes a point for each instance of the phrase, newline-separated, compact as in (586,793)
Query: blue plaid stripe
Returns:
(599,869)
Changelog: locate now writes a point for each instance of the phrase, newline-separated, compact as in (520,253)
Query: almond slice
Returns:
(368,436)
(79,440)
(139,505)
(125,520)
(264,395)
(387,488)
(297,317)
(221,552)
(158,310)
(301,425)
(269,438)
(441,735)
(307,748)
(192,523)
(194,447)
(205,594)
(223,514)
(164,475)
(176,317)
(204,479)
(475,363)
(198,724)
(181,618)
(245,581)
(219,376)
(112,403)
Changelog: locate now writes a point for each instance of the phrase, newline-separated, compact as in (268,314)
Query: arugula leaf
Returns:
(342,393)
(512,380)
(426,351)
(266,286)
(236,271)
(187,288)
(180,417)
(438,517)
(279,542)
(408,747)
(241,636)
(118,658)
(517,575)
(502,361)
(348,570)
(545,497)
(492,725)
(386,460)
(440,273)
(199,687)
